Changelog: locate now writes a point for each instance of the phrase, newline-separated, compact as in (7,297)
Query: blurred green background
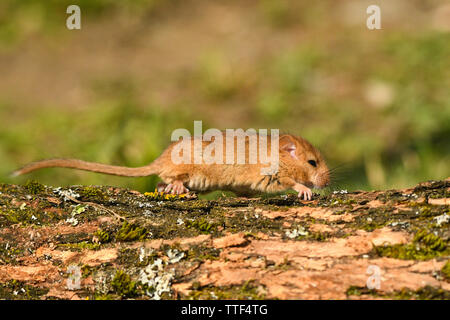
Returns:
(376,103)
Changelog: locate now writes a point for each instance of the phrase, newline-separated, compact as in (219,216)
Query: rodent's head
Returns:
(302,162)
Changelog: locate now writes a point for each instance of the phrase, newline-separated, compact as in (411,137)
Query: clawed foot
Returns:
(303,191)
(176,187)
(161,186)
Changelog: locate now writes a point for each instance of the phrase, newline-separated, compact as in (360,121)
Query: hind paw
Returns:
(176,187)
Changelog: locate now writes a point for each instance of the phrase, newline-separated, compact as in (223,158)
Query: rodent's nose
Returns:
(322,180)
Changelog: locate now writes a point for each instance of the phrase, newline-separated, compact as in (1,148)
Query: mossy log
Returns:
(89,242)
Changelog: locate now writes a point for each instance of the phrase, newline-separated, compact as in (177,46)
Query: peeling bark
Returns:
(110,243)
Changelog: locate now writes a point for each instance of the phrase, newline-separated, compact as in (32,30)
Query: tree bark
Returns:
(89,242)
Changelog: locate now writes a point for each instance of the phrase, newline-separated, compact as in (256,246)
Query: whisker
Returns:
(339,173)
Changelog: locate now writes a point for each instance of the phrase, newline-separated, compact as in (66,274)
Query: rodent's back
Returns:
(244,176)
(210,176)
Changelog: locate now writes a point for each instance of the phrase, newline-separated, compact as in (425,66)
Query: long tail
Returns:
(88,166)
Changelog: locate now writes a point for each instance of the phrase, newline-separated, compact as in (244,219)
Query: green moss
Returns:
(126,232)
(73,237)
(77,241)
(358,291)
(130,232)
(247,222)
(202,206)
(19,290)
(103,236)
(424,246)
(131,257)
(86,270)
(9,253)
(81,245)
(34,187)
(339,202)
(101,296)
(28,216)
(426,210)
(314,236)
(434,189)
(8,188)
(319,236)
(123,285)
(424,293)
(369,227)
(202,253)
(303,232)
(430,241)
(339,212)
(92,194)
(439,194)
(201,225)
(446,270)
(248,291)
(375,218)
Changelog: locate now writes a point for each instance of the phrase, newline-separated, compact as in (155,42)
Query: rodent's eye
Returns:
(313,163)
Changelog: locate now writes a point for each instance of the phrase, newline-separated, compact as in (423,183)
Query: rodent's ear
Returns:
(287,144)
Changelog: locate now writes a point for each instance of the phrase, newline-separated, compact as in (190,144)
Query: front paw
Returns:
(303,191)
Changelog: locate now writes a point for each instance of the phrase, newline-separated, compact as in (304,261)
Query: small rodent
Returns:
(301,167)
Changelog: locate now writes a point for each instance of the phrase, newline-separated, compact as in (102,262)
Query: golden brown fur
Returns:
(294,170)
